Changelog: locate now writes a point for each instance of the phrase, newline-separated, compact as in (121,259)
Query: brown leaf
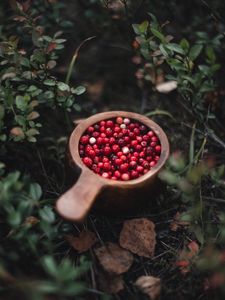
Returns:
(17,131)
(138,236)
(31,220)
(33,115)
(110,284)
(83,242)
(150,286)
(113,258)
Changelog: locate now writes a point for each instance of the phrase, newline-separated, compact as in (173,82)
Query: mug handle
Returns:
(74,204)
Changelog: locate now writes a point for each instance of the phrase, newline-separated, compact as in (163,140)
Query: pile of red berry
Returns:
(119,149)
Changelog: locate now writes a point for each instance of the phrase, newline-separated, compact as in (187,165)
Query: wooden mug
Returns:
(75,204)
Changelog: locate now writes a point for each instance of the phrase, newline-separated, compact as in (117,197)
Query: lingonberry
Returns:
(158,148)
(90,129)
(117,174)
(119,149)
(124,167)
(152,163)
(87,161)
(119,120)
(125,176)
(115,148)
(84,139)
(139,169)
(107,150)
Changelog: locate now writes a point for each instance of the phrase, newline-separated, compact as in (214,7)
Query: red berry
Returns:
(105,159)
(119,120)
(117,174)
(100,141)
(102,123)
(124,167)
(125,176)
(152,163)
(91,153)
(109,131)
(109,123)
(87,161)
(107,166)
(139,169)
(150,133)
(136,131)
(118,161)
(84,139)
(112,140)
(90,129)
(107,150)
(134,174)
(154,139)
(100,165)
(143,143)
(157,148)
(123,157)
(115,148)
(105,175)
(133,164)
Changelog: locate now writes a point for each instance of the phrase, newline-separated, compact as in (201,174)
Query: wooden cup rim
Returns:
(83,125)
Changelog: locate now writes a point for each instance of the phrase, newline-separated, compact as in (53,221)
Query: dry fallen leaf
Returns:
(83,242)
(166,87)
(113,258)
(150,286)
(138,236)
(110,284)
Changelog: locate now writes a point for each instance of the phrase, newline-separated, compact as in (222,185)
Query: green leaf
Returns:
(143,27)
(63,86)
(2,112)
(211,54)
(175,48)
(35,191)
(50,266)
(158,34)
(21,103)
(195,52)
(159,112)
(60,41)
(184,45)
(78,90)
(136,28)
(50,82)
(32,132)
(47,214)
(14,218)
